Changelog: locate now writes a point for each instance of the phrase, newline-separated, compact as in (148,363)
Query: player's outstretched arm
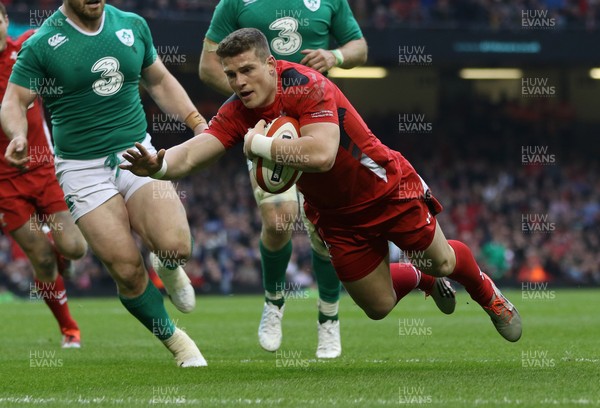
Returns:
(210,68)
(176,162)
(315,151)
(170,96)
(13,115)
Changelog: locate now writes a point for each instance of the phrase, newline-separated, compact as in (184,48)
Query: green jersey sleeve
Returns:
(27,71)
(150,54)
(224,21)
(344,26)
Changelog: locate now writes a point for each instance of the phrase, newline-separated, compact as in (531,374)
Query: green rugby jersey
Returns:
(89,81)
(289,25)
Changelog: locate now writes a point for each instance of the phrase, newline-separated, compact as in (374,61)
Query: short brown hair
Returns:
(3,10)
(243,40)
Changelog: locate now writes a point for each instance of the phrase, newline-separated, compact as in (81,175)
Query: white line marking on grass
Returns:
(91,401)
(320,402)
(226,402)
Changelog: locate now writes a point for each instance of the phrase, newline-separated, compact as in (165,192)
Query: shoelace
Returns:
(329,340)
(271,314)
(498,307)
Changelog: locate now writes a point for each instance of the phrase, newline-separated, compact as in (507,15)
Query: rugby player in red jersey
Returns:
(31,200)
(358,192)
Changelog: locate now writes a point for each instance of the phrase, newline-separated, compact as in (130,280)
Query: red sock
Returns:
(405,277)
(467,273)
(55,296)
(426,283)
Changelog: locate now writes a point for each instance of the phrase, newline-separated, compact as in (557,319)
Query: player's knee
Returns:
(379,310)
(276,223)
(276,231)
(80,249)
(377,313)
(131,286)
(175,248)
(441,268)
(129,275)
(73,248)
(123,263)
(175,253)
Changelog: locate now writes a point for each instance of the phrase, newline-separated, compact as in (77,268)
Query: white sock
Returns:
(274,296)
(328,309)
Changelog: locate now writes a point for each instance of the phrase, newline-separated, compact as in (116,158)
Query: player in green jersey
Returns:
(297,31)
(87,61)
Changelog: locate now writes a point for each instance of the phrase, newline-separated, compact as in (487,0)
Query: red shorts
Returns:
(36,191)
(358,242)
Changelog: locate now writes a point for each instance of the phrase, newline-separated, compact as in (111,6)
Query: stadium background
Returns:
(514,161)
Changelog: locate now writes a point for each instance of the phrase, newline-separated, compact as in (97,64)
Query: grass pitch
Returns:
(415,357)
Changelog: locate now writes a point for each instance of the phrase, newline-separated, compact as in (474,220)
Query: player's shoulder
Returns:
(119,15)
(237,4)
(297,79)
(232,105)
(335,4)
(50,34)
(293,74)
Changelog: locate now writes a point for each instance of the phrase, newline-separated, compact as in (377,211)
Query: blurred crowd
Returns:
(478,14)
(518,181)
(468,14)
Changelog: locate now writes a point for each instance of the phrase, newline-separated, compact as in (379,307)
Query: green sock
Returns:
(274,265)
(323,318)
(327,280)
(149,309)
(328,283)
(277,302)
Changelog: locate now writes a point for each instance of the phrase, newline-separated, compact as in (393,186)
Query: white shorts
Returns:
(88,184)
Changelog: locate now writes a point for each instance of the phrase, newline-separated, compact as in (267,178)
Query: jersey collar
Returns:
(76,27)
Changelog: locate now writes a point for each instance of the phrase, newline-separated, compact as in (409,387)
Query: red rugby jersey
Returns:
(365,170)
(37,134)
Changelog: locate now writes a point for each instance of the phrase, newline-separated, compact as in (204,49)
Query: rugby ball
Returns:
(273,177)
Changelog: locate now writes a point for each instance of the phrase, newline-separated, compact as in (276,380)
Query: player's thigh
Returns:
(107,231)
(374,293)
(158,216)
(16,207)
(360,259)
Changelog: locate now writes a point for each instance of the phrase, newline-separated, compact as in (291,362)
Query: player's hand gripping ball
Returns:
(273,177)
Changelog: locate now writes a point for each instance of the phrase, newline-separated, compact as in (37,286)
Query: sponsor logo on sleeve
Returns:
(57,40)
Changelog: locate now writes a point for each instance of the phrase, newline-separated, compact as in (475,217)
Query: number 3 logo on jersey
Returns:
(289,40)
(111,78)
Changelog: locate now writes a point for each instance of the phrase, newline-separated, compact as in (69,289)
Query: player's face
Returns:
(86,10)
(252,79)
